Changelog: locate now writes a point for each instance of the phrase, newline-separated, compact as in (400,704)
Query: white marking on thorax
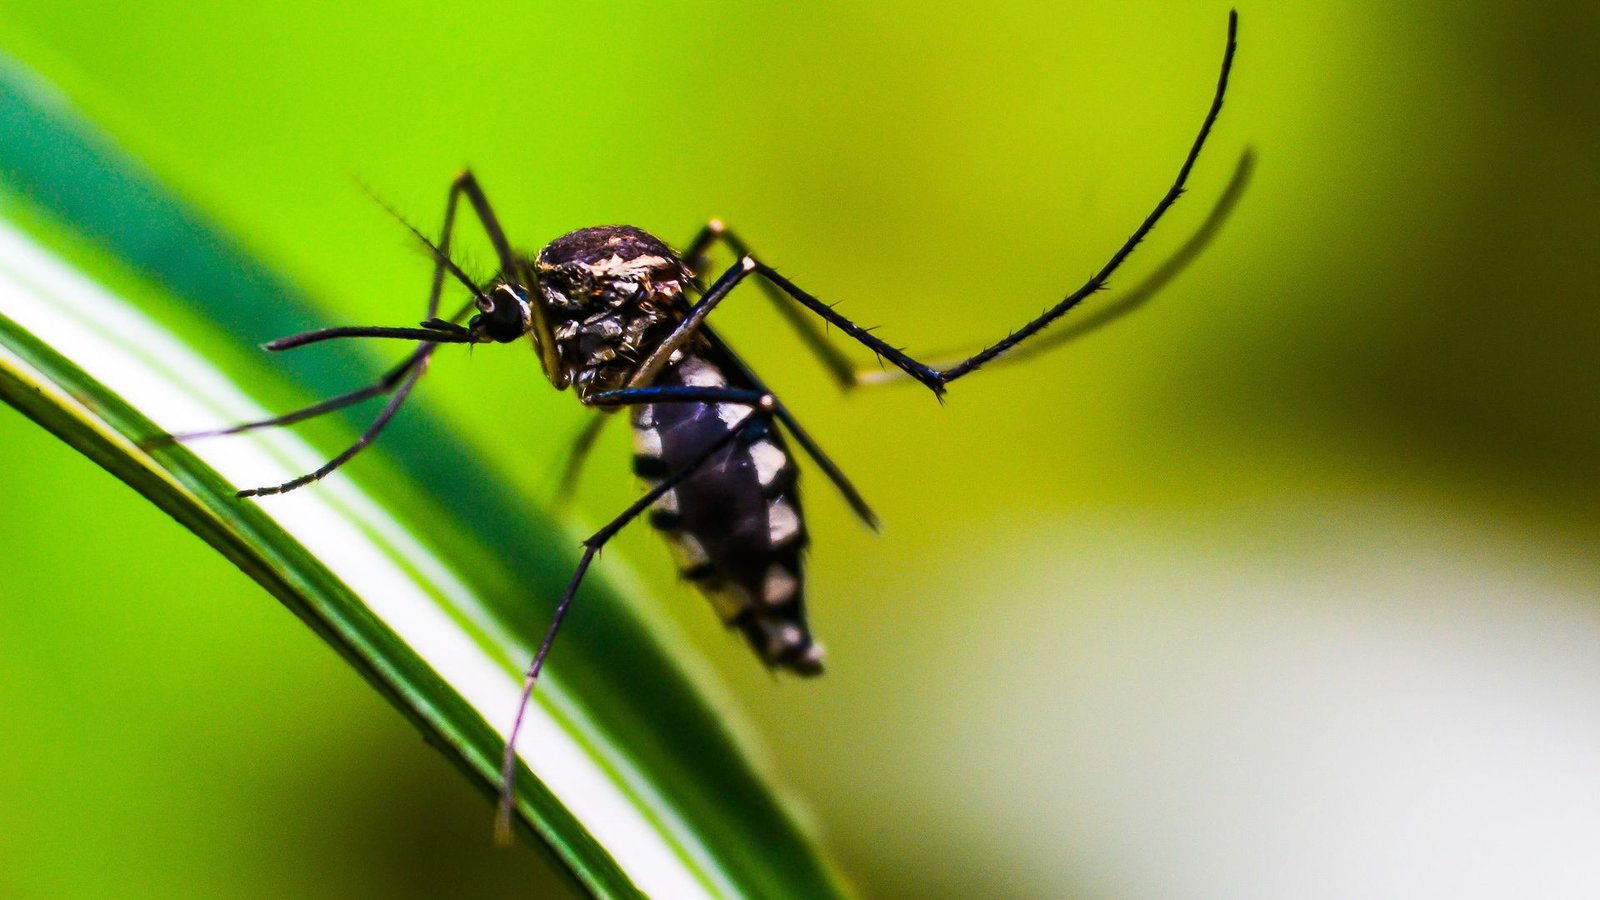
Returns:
(783,523)
(696,372)
(617,267)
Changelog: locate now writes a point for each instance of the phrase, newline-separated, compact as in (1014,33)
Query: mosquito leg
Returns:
(512,268)
(838,365)
(591,547)
(1130,301)
(694,255)
(690,326)
(1099,279)
(400,379)
(673,394)
(591,429)
(401,393)
(936,379)
(383,386)
(434,331)
(760,399)
(858,504)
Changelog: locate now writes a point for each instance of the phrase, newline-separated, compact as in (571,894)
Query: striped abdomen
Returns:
(735,525)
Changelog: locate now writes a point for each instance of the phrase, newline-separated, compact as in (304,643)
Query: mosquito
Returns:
(608,312)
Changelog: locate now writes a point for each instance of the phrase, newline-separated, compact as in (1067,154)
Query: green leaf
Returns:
(109,288)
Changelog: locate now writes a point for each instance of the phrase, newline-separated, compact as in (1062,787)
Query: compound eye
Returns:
(508,316)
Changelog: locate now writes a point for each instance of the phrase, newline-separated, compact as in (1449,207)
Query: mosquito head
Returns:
(503,315)
(596,269)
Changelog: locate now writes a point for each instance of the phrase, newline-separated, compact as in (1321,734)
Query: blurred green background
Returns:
(1282,587)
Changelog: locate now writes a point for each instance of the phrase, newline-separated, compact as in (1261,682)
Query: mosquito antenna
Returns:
(434,251)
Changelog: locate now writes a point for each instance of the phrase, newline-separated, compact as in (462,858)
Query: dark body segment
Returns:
(611,294)
(736,524)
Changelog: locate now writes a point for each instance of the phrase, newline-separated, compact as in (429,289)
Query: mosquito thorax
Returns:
(611,294)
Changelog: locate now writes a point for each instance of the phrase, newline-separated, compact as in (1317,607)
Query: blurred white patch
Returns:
(1358,701)
(769,461)
(783,523)
(647,442)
